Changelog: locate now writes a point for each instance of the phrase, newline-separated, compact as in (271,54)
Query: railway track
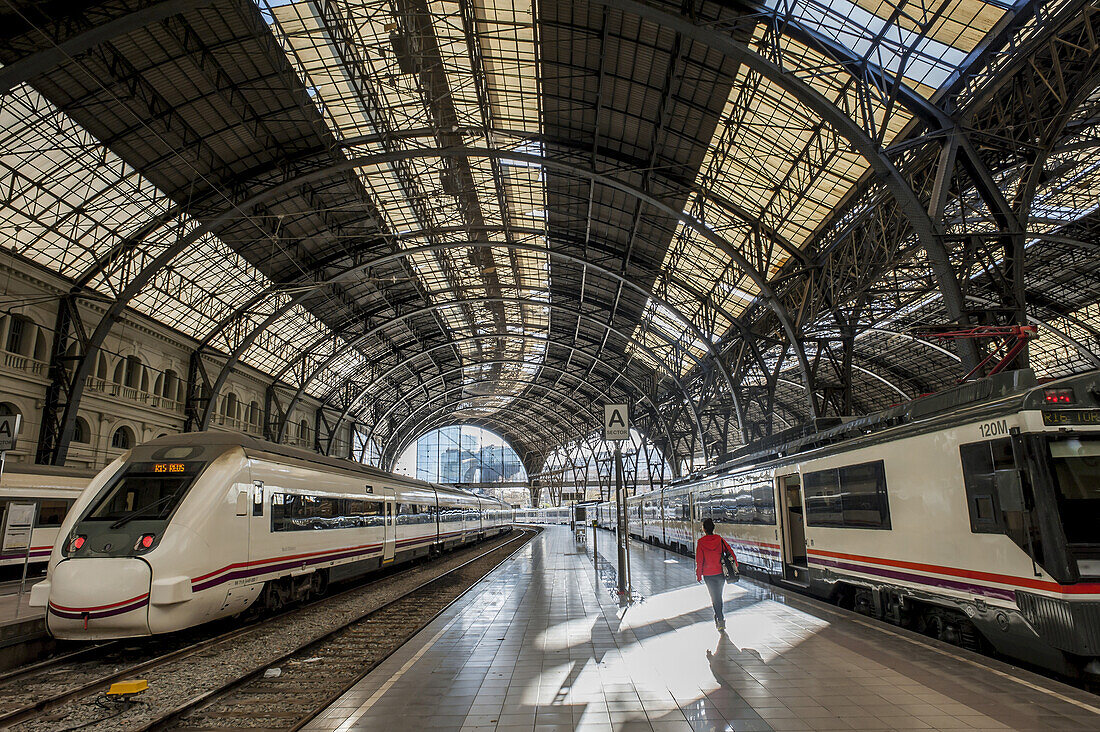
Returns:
(65,692)
(315,675)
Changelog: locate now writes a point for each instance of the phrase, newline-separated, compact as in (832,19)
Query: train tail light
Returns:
(144,542)
(77,542)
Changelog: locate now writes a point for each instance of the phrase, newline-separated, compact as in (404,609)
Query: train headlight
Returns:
(76,542)
(144,542)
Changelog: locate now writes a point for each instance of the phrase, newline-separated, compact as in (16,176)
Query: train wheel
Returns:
(274,597)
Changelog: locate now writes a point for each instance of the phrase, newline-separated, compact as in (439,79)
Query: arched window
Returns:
(101,367)
(7,409)
(122,439)
(171,383)
(20,335)
(254,413)
(81,432)
(41,348)
(303,430)
(229,406)
(133,372)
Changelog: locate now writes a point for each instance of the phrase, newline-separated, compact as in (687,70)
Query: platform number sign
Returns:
(9,430)
(616,422)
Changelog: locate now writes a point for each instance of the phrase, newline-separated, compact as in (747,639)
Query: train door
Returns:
(389,514)
(690,518)
(258,523)
(794,527)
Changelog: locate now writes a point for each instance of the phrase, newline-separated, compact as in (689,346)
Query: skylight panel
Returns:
(923,42)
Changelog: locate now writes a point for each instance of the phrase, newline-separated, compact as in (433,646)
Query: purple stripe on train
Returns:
(920,579)
(69,615)
(41,553)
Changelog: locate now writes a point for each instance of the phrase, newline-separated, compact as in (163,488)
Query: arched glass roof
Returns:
(735,215)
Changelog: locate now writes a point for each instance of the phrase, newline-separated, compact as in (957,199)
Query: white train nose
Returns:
(99,598)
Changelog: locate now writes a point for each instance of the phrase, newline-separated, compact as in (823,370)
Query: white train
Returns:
(555,515)
(194,527)
(971,515)
(38,496)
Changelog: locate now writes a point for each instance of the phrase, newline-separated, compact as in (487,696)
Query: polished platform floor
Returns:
(543,644)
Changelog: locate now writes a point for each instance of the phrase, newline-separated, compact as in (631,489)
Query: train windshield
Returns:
(147,491)
(1076,465)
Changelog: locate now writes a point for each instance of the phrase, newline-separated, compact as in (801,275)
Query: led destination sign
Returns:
(169,468)
(1070,417)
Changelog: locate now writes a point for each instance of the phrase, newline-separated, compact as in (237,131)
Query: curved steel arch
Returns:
(403,397)
(142,278)
(353,343)
(926,231)
(538,405)
(741,52)
(620,376)
(909,337)
(553,306)
(475,243)
(514,440)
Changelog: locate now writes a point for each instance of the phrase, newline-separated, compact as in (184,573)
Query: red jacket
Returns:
(708,555)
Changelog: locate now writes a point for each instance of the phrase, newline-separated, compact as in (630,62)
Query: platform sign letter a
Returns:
(616,422)
(9,430)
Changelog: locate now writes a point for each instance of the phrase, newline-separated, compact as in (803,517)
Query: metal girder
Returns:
(38,63)
(845,126)
(402,397)
(363,266)
(142,278)
(1061,335)
(366,265)
(442,404)
(909,337)
(620,375)
(629,338)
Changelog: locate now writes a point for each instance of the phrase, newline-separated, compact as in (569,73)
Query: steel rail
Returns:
(31,710)
(194,703)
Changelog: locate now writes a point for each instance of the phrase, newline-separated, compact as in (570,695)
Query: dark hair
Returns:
(708,525)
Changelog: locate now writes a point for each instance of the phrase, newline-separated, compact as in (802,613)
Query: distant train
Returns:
(553,515)
(43,495)
(194,527)
(971,515)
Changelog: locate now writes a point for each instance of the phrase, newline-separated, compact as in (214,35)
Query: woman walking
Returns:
(708,567)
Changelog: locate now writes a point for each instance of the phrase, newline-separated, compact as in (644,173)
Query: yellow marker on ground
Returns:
(128,688)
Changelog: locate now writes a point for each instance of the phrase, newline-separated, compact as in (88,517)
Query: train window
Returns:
(1077,473)
(979,465)
(998,495)
(852,497)
(146,491)
(823,505)
(363,508)
(291,512)
(864,496)
(51,512)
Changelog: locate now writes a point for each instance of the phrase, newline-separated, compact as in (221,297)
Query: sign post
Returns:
(17,526)
(616,428)
(9,430)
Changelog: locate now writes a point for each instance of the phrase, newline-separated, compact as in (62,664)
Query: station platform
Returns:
(22,627)
(542,643)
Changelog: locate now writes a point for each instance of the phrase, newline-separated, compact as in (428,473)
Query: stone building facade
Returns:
(137,390)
